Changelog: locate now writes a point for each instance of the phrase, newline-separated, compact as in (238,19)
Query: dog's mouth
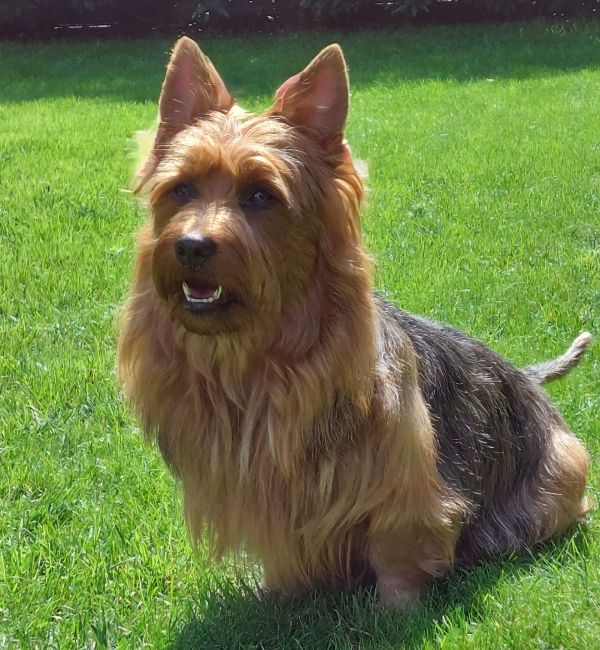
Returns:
(202,298)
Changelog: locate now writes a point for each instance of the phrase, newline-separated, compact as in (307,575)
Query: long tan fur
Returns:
(297,428)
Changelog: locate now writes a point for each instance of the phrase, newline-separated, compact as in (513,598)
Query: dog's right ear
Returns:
(317,97)
(192,88)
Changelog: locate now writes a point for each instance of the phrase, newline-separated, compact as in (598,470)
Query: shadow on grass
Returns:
(254,66)
(235,617)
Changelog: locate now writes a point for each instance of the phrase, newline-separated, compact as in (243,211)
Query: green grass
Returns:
(484,212)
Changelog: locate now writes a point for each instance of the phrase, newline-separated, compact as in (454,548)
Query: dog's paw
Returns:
(397,594)
(263,588)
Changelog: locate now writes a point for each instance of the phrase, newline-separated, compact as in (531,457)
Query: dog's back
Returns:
(500,442)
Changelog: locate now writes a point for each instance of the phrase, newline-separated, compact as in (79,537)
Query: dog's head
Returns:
(244,207)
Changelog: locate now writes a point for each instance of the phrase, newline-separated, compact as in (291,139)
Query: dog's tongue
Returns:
(201,291)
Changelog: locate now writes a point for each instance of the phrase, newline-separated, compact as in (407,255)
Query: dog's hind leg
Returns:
(543,504)
(562,484)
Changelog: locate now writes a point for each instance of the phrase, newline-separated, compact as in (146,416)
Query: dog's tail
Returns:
(547,371)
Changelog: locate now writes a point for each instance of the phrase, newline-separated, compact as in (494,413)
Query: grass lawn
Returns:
(484,153)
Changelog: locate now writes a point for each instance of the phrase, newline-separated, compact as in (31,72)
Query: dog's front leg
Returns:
(405,560)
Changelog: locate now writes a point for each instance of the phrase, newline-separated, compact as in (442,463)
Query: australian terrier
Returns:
(337,438)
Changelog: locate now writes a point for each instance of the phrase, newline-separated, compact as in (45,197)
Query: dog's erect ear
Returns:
(317,97)
(192,88)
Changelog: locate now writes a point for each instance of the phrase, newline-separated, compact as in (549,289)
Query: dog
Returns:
(338,439)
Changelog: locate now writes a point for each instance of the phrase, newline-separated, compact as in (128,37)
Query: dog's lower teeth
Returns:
(186,292)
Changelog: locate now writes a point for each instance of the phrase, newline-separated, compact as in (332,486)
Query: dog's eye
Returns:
(184,192)
(260,197)
(256,198)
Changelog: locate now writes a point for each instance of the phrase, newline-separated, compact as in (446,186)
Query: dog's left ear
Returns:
(192,88)
(317,97)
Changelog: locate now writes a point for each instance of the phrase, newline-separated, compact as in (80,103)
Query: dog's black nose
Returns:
(192,250)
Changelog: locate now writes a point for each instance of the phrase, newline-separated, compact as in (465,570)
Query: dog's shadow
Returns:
(234,616)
